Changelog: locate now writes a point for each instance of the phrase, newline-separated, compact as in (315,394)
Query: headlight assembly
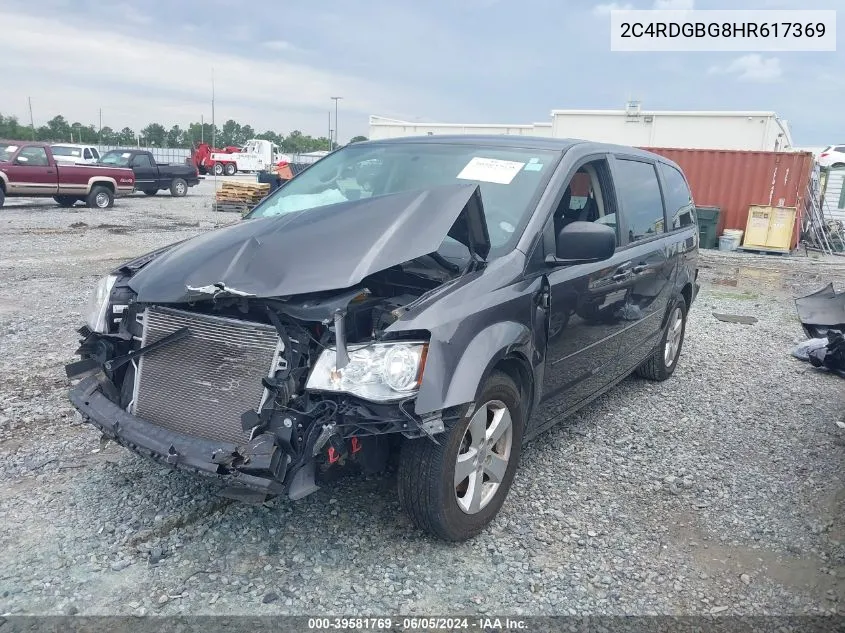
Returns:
(98,305)
(380,372)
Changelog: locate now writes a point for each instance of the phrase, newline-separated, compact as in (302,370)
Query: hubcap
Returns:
(483,456)
(218,169)
(102,200)
(180,188)
(673,337)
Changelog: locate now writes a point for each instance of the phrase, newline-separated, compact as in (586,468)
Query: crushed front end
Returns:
(268,395)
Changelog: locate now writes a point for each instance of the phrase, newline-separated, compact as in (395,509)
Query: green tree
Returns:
(108,136)
(127,137)
(357,139)
(230,134)
(154,135)
(175,137)
(58,129)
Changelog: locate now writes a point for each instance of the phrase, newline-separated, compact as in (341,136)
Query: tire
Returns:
(178,188)
(150,192)
(65,201)
(426,480)
(218,169)
(662,363)
(101,197)
(231,169)
(2,197)
(837,165)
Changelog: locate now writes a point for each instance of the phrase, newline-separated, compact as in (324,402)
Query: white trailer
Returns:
(743,130)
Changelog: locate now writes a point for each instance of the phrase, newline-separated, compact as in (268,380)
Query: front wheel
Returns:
(178,188)
(100,198)
(661,365)
(231,169)
(2,197)
(454,489)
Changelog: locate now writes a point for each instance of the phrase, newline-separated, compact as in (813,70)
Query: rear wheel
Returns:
(65,201)
(231,169)
(661,365)
(150,192)
(454,489)
(101,197)
(218,169)
(2,197)
(178,188)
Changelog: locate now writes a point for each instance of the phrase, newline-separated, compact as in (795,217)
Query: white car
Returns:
(833,156)
(75,154)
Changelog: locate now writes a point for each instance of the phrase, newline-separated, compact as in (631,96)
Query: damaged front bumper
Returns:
(172,449)
(264,467)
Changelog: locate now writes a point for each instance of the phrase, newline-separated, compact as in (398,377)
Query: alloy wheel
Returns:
(483,456)
(673,337)
(101,200)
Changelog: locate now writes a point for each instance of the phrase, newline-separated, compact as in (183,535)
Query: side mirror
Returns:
(21,160)
(582,243)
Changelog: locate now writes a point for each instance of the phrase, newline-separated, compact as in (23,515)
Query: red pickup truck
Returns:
(29,170)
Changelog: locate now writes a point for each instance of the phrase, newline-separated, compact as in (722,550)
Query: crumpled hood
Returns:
(326,248)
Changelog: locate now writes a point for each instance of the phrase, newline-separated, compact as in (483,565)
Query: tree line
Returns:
(59,130)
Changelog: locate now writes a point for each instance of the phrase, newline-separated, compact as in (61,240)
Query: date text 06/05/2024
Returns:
(418,623)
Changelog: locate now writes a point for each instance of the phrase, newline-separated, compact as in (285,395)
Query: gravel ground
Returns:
(718,491)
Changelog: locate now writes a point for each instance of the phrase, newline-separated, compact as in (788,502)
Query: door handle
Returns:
(638,269)
(621,275)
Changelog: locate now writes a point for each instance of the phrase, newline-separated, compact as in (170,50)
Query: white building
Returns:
(752,130)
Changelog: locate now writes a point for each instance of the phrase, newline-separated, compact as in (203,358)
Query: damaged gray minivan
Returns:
(434,302)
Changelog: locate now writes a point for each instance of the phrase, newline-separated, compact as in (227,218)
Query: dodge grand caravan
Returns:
(434,302)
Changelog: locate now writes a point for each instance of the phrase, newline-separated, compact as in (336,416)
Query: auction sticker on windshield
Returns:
(490,170)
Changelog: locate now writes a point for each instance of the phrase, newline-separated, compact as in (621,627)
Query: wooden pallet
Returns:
(242,192)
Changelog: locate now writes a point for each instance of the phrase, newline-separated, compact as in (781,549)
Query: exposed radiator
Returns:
(201,384)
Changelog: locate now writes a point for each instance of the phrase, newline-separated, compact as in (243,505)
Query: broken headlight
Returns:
(379,371)
(98,305)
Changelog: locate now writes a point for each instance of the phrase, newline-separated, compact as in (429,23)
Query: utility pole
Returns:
(336,126)
(331,142)
(31,120)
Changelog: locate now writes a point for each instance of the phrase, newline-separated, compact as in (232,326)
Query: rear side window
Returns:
(679,203)
(95,153)
(639,192)
(142,160)
(87,154)
(840,148)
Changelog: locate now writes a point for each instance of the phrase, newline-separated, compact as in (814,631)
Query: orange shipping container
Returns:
(734,180)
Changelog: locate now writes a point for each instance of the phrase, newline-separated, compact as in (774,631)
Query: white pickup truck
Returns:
(75,154)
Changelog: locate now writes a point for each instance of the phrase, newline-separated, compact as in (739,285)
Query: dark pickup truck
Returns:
(152,177)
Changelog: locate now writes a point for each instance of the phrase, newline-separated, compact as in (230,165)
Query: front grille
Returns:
(201,384)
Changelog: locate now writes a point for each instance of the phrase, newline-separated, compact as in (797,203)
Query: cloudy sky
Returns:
(277,63)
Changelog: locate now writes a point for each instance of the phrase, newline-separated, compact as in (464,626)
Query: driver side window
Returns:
(587,197)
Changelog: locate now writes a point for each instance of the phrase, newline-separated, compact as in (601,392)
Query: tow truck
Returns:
(257,155)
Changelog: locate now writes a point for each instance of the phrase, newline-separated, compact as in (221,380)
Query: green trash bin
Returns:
(708,221)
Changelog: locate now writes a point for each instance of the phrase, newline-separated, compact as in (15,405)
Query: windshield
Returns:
(6,151)
(510,179)
(120,159)
(58,150)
